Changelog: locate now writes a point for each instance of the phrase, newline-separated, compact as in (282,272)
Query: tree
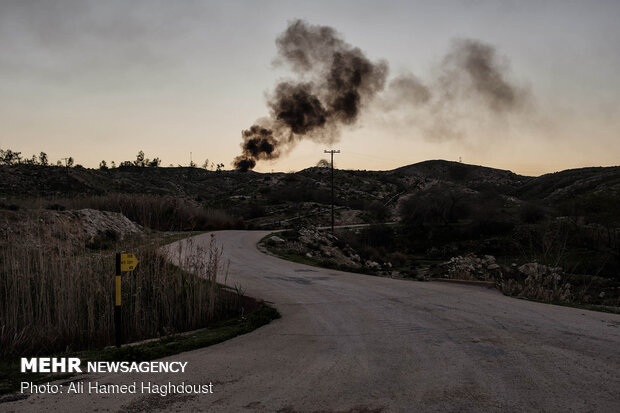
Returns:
(154,163)
(323,163)
(436,205)
(103,165)
(70,162)
(206,164)
(140,161)
(219,167)
(378,211)
(8,157)
(112,164)
(43,159)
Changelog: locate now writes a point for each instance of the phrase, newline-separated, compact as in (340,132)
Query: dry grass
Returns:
(56,297)
(159,212)
(163,213)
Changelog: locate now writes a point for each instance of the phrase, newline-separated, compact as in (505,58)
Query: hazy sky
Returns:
(104,79)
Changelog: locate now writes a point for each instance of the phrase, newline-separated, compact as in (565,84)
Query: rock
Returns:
(94,222)
(470,267)
(277,240)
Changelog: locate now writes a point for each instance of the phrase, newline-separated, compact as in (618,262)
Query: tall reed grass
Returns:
(56,297)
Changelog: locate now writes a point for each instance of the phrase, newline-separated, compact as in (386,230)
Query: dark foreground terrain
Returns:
(357,343)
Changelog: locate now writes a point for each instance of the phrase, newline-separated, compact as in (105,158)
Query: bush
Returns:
(491,227)
(378,211)
(294,191)
(531,214)
(378,236)
(437,205)
(163,213)
(55,207)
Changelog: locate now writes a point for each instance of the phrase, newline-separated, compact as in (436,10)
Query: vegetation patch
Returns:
(522,267)
(257,315)
(57,286)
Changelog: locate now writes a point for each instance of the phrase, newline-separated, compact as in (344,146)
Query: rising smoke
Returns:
(475,69)
(337,80)
(471,83)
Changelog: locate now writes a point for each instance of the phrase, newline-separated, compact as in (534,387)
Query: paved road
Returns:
(356,343)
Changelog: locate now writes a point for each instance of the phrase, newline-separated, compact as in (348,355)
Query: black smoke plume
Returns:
(258,143)
(335,81)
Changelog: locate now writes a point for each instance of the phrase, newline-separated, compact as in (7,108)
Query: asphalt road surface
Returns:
(356,343)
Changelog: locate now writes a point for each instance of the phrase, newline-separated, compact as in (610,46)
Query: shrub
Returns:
(435,205)
(378,211)
(164,213)
(531,214)
(55,207)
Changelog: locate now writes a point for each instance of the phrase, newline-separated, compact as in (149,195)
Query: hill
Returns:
(281,196)
(443,212)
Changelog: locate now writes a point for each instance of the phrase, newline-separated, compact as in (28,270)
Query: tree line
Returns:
(10,157)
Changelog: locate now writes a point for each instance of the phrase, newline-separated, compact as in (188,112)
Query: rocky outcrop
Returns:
(75,227)
(471,267)
(531,280)
(94,222)
(328,249)
(322,245)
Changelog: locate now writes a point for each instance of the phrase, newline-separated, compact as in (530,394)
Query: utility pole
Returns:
(332,152)
(66,164)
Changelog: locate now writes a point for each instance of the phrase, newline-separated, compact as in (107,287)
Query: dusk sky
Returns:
(104,79)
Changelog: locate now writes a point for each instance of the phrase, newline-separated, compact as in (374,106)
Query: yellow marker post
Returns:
(124,263)
(118,291)
(117,302)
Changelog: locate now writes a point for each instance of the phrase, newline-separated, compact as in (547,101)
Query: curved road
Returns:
(356,343)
